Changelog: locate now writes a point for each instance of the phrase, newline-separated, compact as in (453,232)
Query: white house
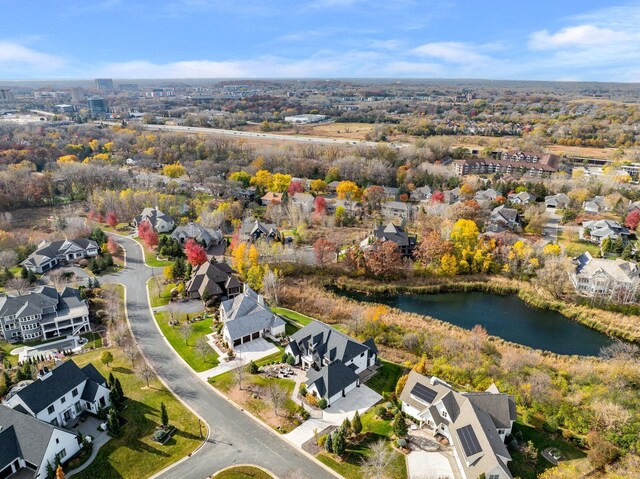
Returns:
(246,317)
(476,424)
(60,395)
(613,280)
(332,359)
(557,201)
(161,222)
(397,209)
(522,198)
(28,445)
(599,230)
(43,314)
(50,254)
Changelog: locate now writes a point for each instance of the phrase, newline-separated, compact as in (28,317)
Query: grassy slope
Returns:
(386,378)
(187,349)
(134,454)
(162,297)
(292,315)
(243,472)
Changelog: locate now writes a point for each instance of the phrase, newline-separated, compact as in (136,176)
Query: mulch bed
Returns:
(311,446)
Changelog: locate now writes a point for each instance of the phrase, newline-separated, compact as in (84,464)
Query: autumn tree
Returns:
(196,254)
(111,219)
(318,186)
(554,276)
(324,251)
(431,248)
(464,235)
(262,179)
(320,205)
(279,183)
(242,177)
(175,170)
(383,259)
(348,190)
(632,220)
(112,246)
(373,197)
(295,187)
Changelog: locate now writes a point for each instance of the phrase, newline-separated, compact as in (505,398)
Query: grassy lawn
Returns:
(243,472)
(372,423)
(292,315)
(135,451)
(349,466)
(186,349)
(576,248)
(95,340)
(386,378)
(150,256)
(159,294)
(543,440)
(5,351)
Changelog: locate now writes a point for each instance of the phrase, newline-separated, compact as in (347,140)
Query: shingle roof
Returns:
(31,436)
(331,379)
(393,233)
(328,342)
(41,393)
(247,314)
(198,233)
(10,449)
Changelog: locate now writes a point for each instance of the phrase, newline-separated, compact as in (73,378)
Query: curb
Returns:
(266,471)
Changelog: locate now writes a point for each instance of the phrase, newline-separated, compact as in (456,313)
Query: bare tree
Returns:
(239,372)
(202,347)
(277,396)
(18,285)
(376,464)
(119,335)
(185,331)
(172,311)
(131,352)
(8,259)
(554,276)
(621,351)
(56,277)
(145,371)
(270,286)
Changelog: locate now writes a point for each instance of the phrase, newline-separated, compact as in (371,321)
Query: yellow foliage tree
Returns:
(108,146)
(262,179)
(239,254)
(552,249)
(402,382)
(280,183)
(167,272)
(255,275)
(254,254)
(464,234)
(175,170)
(448,265)
(375,313)
(94,145)
(67,159)
(421,366)
(318,186)
(349,190)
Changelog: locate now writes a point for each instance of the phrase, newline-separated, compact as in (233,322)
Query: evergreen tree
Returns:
(164,415)
(356,423)
(111,381)
(399,425)
(119,389)
(339,443)
(113,422)
(346,426)
(328,444)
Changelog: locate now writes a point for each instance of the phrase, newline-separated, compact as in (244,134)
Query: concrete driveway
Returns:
(429,465)
(234,437)
(192,306)
(360,399)
(251,351)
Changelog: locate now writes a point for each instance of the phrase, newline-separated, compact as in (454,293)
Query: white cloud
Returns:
(15,57)
(452,52)
(579,36)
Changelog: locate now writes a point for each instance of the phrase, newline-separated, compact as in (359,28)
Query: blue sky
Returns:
(540,40)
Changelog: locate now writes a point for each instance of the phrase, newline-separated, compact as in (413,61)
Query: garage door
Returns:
(236,342)
(246,339)
(255,335)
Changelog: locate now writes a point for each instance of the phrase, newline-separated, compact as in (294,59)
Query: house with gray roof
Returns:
(476,424)
(255,230)
(49,254)
(213,281)
(332,359)
(486,195)
(557,201)
(522,198)
(598,230)
(27,444)
(595,205)
(60,395)
(397,209)
(207,237)
(247,317)
(503,219)
(405,242)
(423,193)
(161,222)
(43,313)
(612,280)
(304,201)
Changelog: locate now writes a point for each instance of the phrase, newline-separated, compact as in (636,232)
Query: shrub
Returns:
(401,442)
(290,360)
(322,403)
(303,390)
(322,440)
(253,368)
(381,411)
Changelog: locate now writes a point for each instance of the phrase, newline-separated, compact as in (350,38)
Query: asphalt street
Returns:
(235,438)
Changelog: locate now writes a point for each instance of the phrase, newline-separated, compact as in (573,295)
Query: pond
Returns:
(505,316)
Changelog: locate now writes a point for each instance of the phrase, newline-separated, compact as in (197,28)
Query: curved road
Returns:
(235,438)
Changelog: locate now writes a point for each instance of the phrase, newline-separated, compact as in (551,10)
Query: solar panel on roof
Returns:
(469,441)
(424,393)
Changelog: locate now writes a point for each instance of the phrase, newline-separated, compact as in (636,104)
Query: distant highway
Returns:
(255,135)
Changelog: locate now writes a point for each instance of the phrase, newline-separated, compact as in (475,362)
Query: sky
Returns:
(565,40)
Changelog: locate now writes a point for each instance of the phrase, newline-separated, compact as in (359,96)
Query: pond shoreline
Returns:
(614,325)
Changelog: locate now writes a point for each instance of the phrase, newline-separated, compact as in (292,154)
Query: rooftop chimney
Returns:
(44,373)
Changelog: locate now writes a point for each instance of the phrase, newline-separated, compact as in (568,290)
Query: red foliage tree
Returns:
(383,259)
(404,197)
(324,250)
(437,197)
(196,254)
(112,246)
(152,238)
(320,205)
(632,220)
(112,219)
(147,234)
(295,187)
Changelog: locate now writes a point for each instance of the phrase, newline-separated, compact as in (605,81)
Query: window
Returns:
(74,393)
(50,409)
(494,476)
(57,440)
(63,400)
(63,454)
